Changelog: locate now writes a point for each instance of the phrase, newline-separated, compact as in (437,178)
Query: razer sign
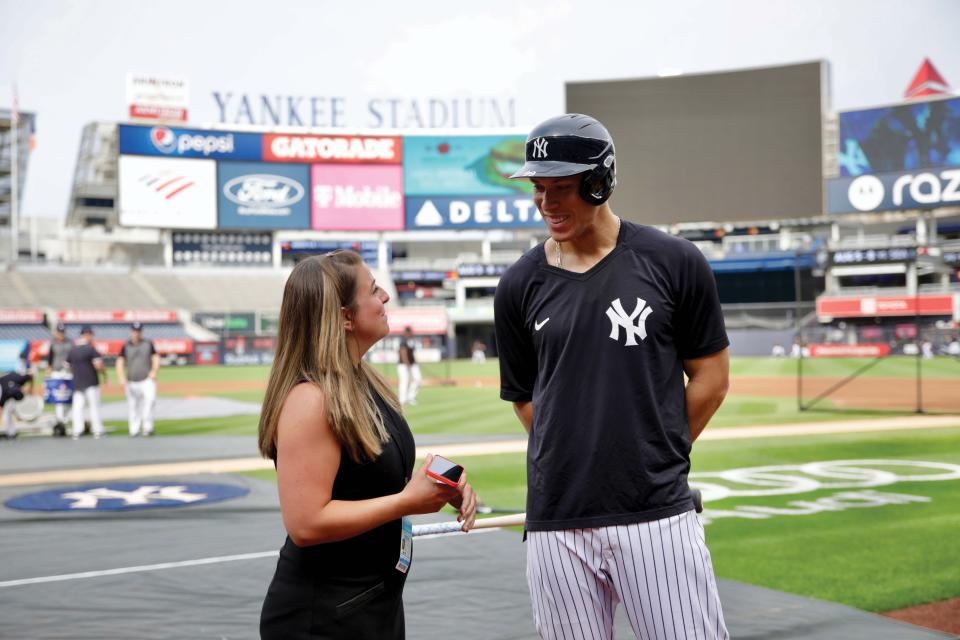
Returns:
(894,191)
(125,496)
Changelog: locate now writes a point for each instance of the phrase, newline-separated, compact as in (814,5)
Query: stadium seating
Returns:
(53,287)
(122,331)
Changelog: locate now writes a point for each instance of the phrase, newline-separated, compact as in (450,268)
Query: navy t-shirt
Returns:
(408,345)
(11,387)
(81,359)
(600,354)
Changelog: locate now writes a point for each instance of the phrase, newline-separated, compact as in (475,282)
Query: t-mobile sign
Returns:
(361,198)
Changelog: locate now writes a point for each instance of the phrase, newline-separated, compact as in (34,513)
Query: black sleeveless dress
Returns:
(347,589)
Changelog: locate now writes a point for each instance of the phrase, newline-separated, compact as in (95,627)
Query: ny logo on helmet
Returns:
(540,148)
(619,319)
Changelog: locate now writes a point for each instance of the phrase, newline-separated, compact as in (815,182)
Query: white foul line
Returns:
(137,569)
(184,563)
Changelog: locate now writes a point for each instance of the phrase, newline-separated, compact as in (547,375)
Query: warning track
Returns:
(460,450)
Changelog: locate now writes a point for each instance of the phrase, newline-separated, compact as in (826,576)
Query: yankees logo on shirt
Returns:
(620,320)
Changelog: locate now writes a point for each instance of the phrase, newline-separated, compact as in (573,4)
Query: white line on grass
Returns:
(137,569)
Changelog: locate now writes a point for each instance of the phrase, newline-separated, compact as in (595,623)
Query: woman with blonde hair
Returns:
(344,457)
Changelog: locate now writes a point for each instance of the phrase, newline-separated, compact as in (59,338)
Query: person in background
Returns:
(478,352)
(87,367)
(12,388)
(408,371)
(345,462)
(57,367)
(137,369)
(953,349)
(614,354)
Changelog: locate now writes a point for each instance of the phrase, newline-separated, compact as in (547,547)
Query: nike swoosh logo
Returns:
(539,325)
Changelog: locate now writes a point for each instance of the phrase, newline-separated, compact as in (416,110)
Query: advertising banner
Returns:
(206,353)
(189,143)
(359,198)
(223,249)
(894,191)
(248,350)
(429,321)
(10,351)
(871,306)
(104,316)
(226,322)
(167,192)
(367,249)
(463,165)
(179,346)
(21,316)
(256,195)
(849,350)
(151,97)
(471,213)
(337,149)
(905,137)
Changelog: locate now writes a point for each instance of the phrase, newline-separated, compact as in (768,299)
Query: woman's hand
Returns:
(466,503)
(424,495)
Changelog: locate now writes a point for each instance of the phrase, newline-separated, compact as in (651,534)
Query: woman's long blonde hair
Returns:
(312,347)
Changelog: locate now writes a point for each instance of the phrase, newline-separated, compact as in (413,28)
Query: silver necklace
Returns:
(560,255)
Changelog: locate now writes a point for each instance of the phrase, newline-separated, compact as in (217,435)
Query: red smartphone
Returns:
(445,471)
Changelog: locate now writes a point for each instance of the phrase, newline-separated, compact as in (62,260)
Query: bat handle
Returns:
(697,500)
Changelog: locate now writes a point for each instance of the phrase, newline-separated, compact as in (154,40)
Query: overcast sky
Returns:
(69,60)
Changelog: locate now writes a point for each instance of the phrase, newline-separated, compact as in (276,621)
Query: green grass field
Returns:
(476,410)
(877,558)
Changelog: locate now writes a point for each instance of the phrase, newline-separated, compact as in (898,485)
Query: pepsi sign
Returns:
(254,195)
(471,213)
(125,496)
(190,143)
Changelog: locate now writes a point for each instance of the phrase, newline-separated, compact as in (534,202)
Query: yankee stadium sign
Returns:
(374,113)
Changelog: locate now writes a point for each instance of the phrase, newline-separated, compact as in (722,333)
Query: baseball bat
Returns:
(512,520)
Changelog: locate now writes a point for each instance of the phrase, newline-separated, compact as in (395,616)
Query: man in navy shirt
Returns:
(12,387)
(596,328)
(86,365)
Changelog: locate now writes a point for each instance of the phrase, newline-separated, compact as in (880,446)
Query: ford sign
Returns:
(263,191)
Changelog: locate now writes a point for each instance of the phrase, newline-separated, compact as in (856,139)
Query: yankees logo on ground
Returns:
(125,496)
(540,148)
(620,319)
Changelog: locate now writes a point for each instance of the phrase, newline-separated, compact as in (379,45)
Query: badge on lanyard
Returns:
(406,545)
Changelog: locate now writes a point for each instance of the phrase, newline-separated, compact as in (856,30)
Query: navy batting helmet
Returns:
(572,144)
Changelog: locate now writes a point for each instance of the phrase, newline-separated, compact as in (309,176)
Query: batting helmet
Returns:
(572,144)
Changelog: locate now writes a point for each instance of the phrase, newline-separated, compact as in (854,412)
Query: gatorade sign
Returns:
(334,149)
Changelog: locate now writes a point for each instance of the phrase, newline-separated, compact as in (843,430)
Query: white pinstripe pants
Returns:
(660,570)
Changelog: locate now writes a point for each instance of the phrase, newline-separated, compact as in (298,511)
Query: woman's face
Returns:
(368,316)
